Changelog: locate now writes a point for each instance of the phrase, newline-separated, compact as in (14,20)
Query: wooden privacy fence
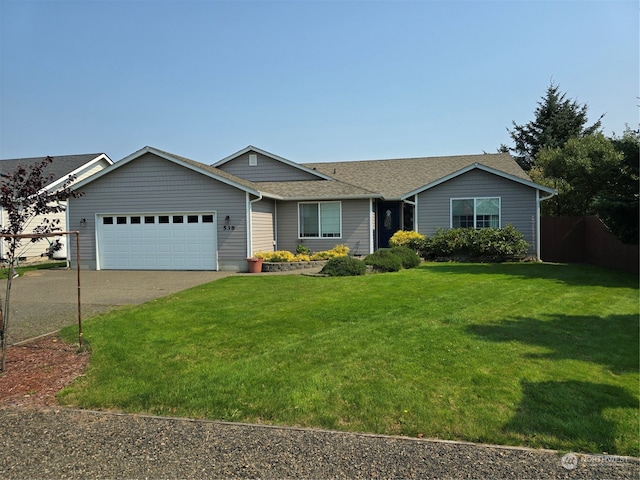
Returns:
(585,240)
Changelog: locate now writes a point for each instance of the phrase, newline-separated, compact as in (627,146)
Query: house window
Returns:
(192,218)
(475,212)
(319,220)
(107,220)
(121,220)
(135,220)
(163,219)
(149,219)
(207,218)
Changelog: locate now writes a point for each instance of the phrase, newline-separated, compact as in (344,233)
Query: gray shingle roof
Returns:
(61,166)
(397,177)
(314,190)
(214,170)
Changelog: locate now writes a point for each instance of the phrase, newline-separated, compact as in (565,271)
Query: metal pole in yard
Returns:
(78,268)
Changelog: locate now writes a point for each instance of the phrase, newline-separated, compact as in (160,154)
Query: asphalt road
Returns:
(44,301)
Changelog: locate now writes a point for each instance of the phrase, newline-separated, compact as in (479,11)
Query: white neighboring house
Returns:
(81,166)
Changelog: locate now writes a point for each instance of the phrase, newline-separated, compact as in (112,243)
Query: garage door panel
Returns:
(152,245)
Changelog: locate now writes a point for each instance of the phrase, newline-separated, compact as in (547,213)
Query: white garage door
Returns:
(168,241)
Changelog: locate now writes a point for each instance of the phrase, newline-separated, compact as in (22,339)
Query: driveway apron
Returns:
(44,301)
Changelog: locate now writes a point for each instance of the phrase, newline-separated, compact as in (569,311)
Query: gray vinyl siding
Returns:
(150,184)
(517,202)
(267,170)
(262,226)
(356,235)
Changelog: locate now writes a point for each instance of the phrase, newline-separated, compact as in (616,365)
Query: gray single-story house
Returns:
(154,210)
(60,169)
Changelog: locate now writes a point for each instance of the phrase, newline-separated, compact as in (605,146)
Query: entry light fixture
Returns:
(83,222)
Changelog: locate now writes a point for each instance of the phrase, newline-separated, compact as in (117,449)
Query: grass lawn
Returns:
(519,354)
(34,266)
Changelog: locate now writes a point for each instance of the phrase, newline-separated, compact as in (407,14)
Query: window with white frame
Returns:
(475,212)
(319,220)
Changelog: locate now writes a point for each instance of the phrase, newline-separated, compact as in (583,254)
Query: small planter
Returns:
(255,264)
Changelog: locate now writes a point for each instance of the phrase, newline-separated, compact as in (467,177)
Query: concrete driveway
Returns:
(44,301)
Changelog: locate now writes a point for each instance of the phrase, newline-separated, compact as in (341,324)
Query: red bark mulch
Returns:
(36,371)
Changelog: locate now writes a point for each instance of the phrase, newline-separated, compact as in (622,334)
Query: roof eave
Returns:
(321,198)
(60,181)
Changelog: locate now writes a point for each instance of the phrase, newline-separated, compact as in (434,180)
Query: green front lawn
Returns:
(520,354)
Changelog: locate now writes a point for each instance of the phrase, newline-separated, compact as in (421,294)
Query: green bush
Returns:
(383,260)
(408,256)
(344,267)
(492,244)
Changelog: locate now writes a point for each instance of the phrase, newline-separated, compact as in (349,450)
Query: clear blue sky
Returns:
(307,80)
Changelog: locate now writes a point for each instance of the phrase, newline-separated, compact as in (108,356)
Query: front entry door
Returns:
(388,222)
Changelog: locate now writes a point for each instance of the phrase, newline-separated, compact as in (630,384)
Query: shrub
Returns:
(344,267)
(493,244)
(408,256)
(277,256)
(302,250)
(407,238)
(337,251)
(383,260)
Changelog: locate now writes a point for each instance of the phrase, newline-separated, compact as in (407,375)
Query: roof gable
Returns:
(207,170)
(300,168)
(60,168)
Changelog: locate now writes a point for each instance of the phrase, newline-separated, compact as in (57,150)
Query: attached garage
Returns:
(157,241)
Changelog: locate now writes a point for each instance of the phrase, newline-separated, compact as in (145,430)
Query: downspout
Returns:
(371,223)
(538,201)
(275,225)
(250,221)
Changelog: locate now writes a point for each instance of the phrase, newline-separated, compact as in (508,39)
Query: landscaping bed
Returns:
(289,266)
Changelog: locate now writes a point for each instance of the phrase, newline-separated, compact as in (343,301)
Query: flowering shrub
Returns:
(407,238)
(337,251)
(287,256)
(277,256)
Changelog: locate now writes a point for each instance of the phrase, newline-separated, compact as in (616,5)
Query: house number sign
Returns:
(229,227)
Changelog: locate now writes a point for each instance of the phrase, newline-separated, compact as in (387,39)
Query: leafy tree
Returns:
(580,170)
(25,199)
(617,203)
(557,119)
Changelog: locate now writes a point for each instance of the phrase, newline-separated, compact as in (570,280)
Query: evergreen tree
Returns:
(557,119)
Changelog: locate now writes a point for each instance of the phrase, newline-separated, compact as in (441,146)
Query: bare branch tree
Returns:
(26,200)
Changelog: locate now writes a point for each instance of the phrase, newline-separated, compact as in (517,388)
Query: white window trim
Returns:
(475,204)
(319,237)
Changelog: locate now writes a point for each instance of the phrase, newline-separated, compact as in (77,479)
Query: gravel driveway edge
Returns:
(69,443)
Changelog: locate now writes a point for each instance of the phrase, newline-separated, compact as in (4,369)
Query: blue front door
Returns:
(387,223)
